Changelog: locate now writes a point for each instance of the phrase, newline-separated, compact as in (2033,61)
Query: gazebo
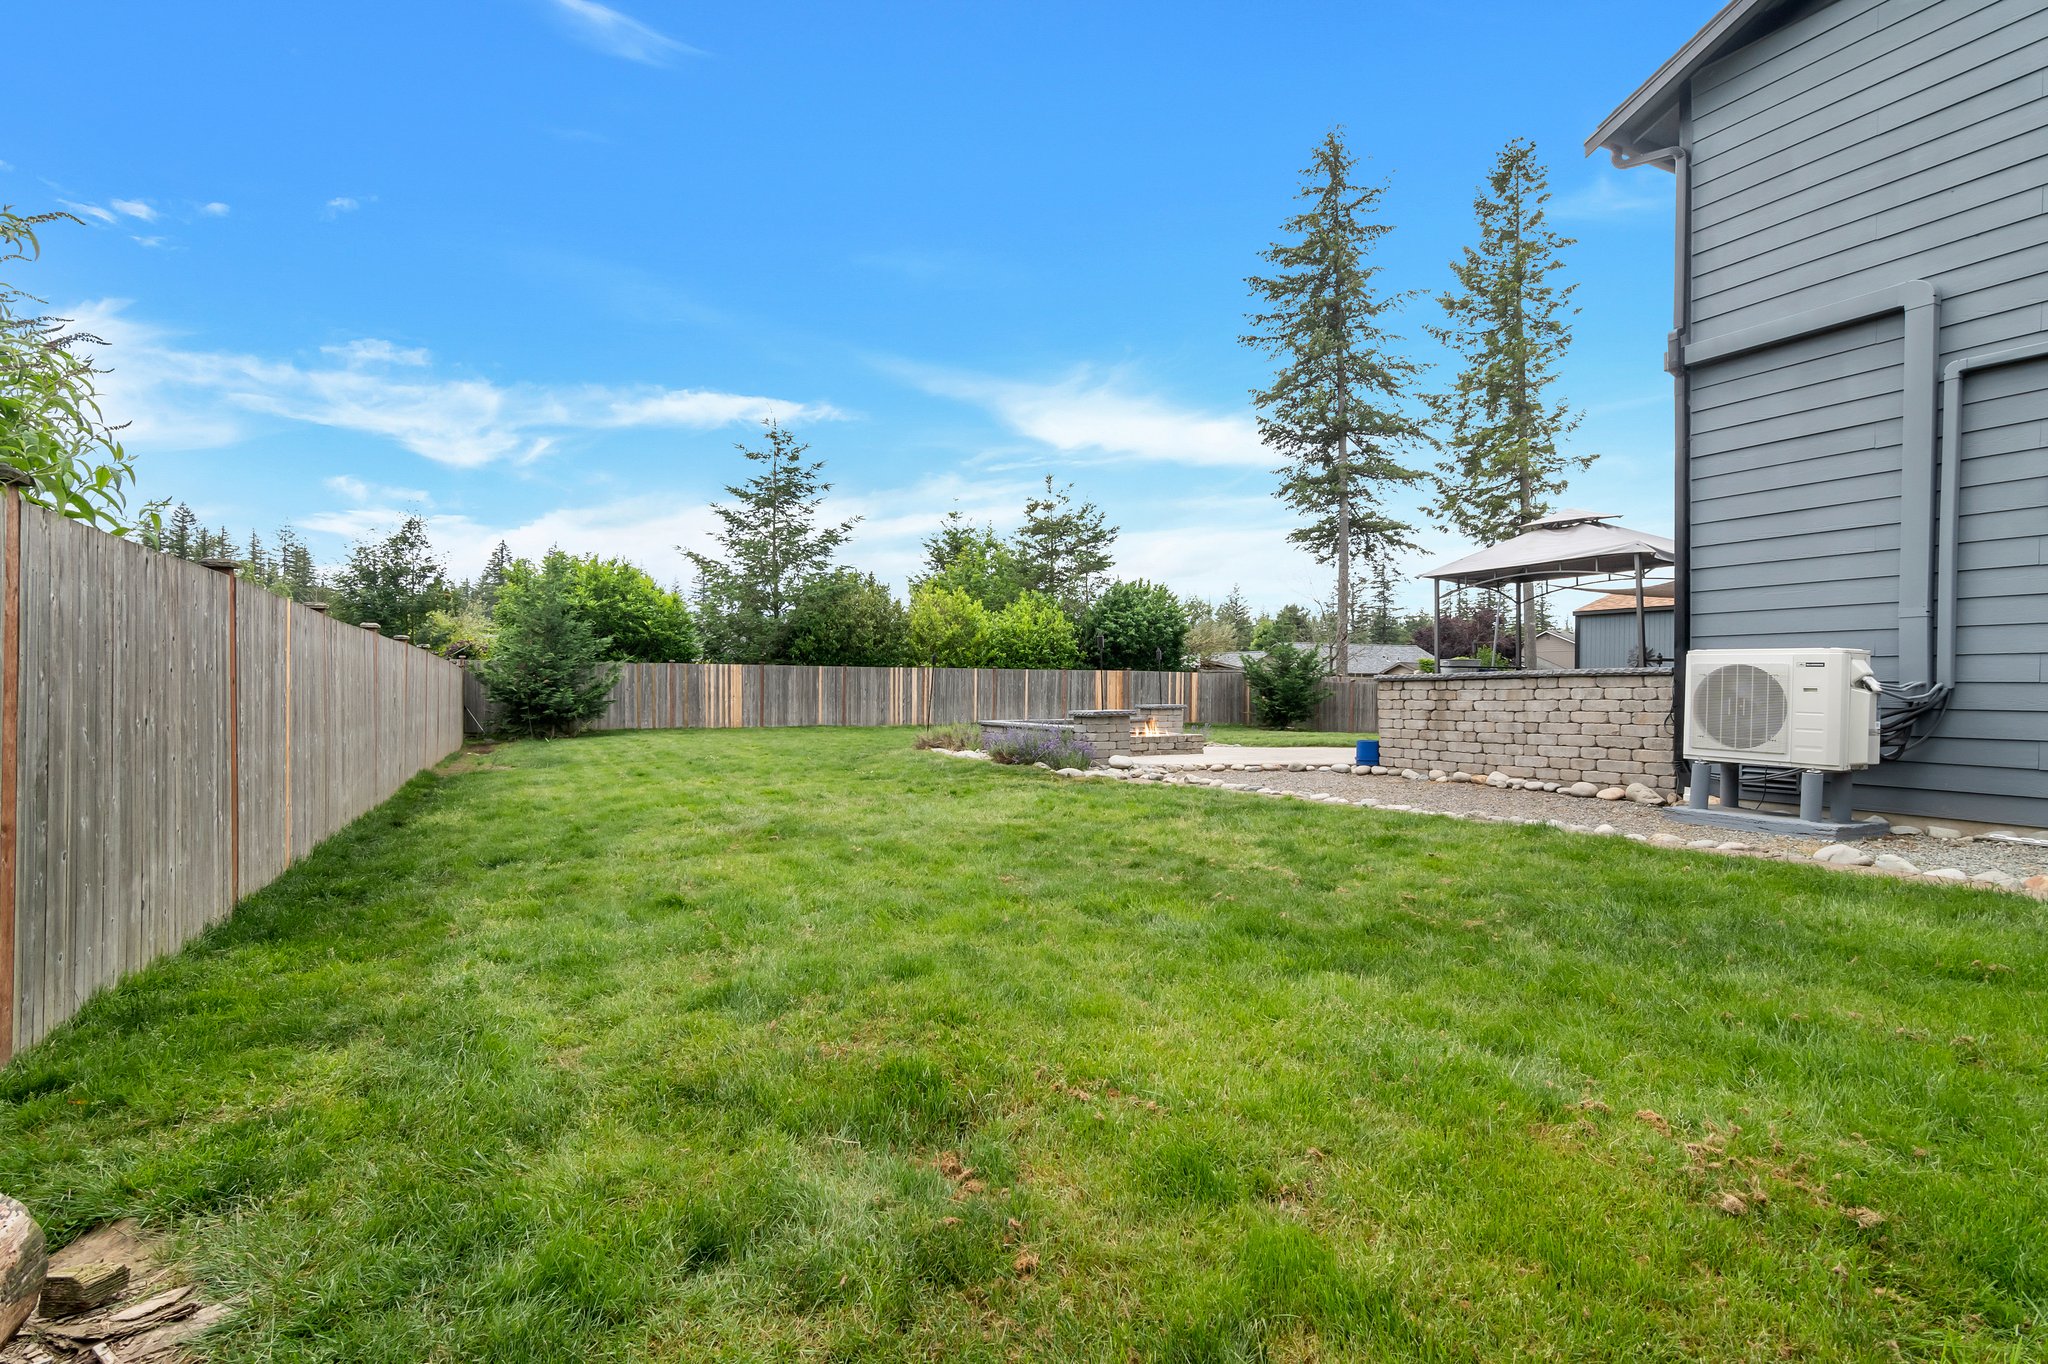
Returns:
(1564,549)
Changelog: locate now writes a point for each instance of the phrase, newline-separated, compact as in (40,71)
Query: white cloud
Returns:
(1641,194)
(620,35)
(339,205)
(1092,418)
(189,399)
(6,165)
(355,490)
(93,211)
(153,241)
(216,209)
(134,208)
(371,351)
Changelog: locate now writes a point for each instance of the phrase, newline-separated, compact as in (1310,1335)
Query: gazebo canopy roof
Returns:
(1564,545)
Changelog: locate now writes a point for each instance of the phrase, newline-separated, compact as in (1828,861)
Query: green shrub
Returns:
(548,669)
(846,618)
(948,629)
(1286,685)
(1136,625)
(1032,632)
(948,736)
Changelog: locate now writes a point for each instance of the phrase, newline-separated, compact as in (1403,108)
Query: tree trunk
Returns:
(1340,648)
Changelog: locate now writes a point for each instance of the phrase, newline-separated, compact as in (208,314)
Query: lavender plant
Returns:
(1053,747)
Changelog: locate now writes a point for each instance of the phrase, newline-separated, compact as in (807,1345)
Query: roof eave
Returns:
(1619,133)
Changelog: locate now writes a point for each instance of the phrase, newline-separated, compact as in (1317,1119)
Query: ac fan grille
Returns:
(1740,706)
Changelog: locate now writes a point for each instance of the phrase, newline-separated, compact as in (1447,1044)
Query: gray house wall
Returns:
(1607,639)
(1863,144)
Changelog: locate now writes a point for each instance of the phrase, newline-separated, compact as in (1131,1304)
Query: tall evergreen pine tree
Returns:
(1332,409)
(1511,323)
(773,546)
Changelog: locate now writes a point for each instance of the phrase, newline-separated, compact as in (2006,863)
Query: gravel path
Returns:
(1253,770)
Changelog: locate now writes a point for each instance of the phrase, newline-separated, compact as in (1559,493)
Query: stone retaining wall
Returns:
(1609,726)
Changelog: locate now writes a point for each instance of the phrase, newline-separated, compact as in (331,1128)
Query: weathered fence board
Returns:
(171,740)
(750,695)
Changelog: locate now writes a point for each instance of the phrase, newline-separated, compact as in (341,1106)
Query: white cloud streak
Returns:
(606,30)
(1612,197)
(1092,418)
(134,208)
(192,399)
(216,209)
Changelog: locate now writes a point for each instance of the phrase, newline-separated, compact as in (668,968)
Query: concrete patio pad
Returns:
(1244,753)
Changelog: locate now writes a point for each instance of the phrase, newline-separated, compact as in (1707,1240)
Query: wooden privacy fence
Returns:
(755,695)
(170,741)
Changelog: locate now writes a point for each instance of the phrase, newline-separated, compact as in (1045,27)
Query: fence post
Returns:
(228,566)
(12,481)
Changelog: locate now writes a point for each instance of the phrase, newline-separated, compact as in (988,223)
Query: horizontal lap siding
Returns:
(1861,145)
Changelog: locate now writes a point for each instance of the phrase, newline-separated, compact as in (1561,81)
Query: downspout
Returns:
(1680,159)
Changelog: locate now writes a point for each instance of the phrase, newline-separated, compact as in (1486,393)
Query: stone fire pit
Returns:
(1139,731)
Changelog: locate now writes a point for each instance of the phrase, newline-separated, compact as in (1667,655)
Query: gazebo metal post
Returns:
(1437,640)
(1642,630)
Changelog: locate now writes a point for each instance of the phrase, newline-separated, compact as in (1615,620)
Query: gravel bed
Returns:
(1984,862)
(1950,859)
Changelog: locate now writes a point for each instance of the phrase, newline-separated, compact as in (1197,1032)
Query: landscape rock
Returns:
(2036,886)
(1605,829)
(1994,877)
(1119,760)
(1667,840)
(1581,788)
(24,1261)
(1644,795)
(1894,862)
(1843,855)
(1732,847)
(1907,830)
(1610,793)
(1496,779)
(1948,874)
(1943,831)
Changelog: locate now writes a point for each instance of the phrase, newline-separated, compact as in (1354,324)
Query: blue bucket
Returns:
(1368,753)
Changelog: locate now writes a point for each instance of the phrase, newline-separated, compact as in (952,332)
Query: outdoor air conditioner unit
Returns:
(1807,708)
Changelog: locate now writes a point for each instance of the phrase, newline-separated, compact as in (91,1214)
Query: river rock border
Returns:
(1834,856)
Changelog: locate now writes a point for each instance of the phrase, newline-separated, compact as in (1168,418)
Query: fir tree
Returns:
(296,576)
(491,581)
(773,546)
(547,668)
(1238,617)
(1332,409)
(1062,550)
(182,533)
(396,581)
(256,564)
(1511,322)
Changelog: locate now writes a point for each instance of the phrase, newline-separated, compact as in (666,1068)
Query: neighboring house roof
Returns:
(1367,660)
(1647,120)
(1626,601)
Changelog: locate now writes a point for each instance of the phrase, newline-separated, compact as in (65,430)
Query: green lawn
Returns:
(802,1045)
(1280,738)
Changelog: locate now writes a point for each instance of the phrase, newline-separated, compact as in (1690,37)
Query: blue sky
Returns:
(531,267)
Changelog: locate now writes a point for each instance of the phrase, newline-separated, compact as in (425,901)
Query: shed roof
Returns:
(1366,660)
(1569,544)
(1656,597)
(1648,119)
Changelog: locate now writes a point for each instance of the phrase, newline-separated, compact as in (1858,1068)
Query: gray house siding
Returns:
(1863,144)
(1607,639)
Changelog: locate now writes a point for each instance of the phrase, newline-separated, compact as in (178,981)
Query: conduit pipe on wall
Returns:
(1918,453)
(1952,487)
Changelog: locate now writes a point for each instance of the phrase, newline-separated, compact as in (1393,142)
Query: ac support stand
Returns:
(1835,790)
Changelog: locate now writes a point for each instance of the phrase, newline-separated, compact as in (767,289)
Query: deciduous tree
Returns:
(1135,625)
(847,618)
